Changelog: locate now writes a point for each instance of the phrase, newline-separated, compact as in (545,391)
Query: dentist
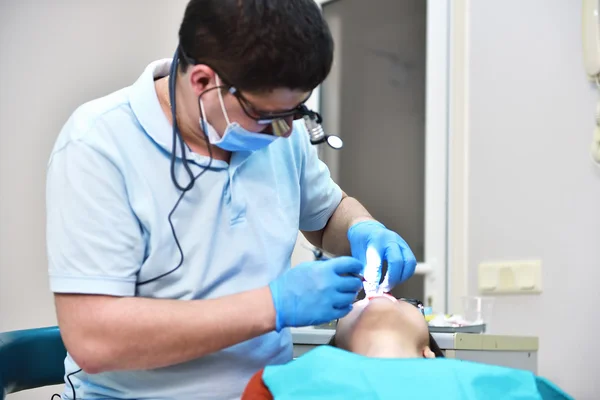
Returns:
(173,207)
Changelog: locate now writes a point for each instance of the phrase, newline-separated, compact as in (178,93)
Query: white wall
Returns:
(55,55)
(533,191)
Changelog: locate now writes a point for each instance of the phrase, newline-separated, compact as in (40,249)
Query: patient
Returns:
(382,350)
(379,327)
(384,327)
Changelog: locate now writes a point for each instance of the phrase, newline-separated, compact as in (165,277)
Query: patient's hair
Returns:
(432,345)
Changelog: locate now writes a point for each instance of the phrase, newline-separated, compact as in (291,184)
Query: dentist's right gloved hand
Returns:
(315,292)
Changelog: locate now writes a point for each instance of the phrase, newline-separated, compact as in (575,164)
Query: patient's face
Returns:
(380,318)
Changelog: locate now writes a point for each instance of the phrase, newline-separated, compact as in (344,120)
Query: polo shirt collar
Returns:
(146,106)
(144,103)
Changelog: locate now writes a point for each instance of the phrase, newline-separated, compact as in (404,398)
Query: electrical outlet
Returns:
(510,277)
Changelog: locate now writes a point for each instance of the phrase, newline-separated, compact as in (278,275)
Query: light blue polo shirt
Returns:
(109,193)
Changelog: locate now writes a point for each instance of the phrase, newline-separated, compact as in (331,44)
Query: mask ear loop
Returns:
(202,116)
(221,100)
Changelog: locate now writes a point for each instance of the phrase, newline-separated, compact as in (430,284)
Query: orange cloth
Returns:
(256,389)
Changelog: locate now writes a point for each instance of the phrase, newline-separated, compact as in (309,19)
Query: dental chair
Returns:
(31,358)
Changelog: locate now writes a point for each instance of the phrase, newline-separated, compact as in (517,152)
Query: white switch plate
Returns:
(511,277)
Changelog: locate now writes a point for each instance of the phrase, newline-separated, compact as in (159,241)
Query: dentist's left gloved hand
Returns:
(371,242)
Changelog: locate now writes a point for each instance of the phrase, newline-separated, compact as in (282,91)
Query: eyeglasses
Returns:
(266,117)
(416,303)
(261,117)
(312,119)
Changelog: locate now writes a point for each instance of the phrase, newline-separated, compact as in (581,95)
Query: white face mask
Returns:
(235,138)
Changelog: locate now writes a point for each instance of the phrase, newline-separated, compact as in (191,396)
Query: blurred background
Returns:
(467,128)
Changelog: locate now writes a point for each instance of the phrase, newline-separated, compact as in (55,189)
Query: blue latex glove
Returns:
(316,292)
(371,242)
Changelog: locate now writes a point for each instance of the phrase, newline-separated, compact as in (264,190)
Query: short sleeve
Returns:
(320,195)
(94,241)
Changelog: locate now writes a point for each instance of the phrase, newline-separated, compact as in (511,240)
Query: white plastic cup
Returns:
(478,310)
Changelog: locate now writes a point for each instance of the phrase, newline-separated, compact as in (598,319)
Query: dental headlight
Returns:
(312,121)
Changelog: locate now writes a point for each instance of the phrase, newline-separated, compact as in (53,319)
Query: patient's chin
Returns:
(383,296)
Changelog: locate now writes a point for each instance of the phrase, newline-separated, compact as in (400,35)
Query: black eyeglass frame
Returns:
(261,117)
(415,302)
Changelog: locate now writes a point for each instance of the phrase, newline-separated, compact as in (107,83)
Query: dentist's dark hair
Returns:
(258,45)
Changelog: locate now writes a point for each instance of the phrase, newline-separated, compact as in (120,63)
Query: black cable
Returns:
(177,135)
(172,100)
(184,189)
(71,384)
